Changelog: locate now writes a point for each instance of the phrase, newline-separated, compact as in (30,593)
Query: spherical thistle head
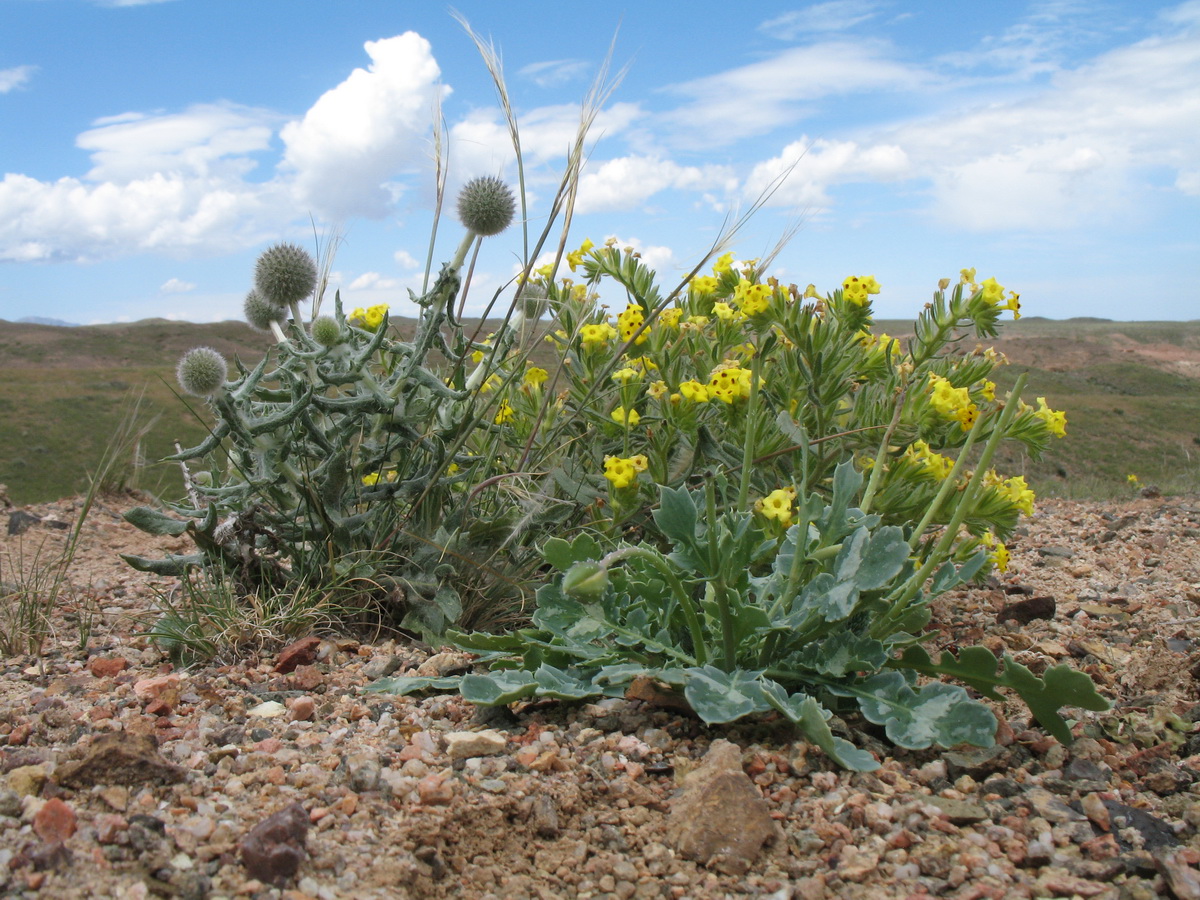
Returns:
(260,312)
(486,206)
(202,371)
(285,274)
(326,331)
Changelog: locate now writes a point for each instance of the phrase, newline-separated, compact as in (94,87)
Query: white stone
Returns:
(465,744)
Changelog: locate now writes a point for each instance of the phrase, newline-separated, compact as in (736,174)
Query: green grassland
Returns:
(1131,391)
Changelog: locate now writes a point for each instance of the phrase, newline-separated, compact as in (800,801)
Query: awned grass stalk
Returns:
(736,488)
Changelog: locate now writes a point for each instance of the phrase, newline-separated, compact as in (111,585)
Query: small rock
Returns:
(545,816)
(119,758)
(10,803)
(1025,611)
(27,781)
(466,744)
(298,653)
(959,812)
(267,710)
(107,667)
(273,850)
(363,772)
(435,789)
(301,709)
(1182,879)
(160,687)
(54,822)
(306,678)
(1050,808)
(720,818)
(382,666)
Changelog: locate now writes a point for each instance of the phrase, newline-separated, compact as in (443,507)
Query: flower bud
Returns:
(585,581)
(486,206)
(326,331)
(285,274)
(202,371)
(260,313)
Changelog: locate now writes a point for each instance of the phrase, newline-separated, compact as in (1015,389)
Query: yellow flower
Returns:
(371,478)
(723,311)
(939,466)
(630,321)
(704,284)
(629,418)
(669,317)
(639,462)
(854,290)
(723,264)
(777,505)
(988,389)
(993,291)
(1019,494)
(504,412)
(752,298)
(945,398)
(871,284)
(657,389)
(728,383)
(575,257)
(619,471)
(1014,304)
(1055,419)
(1133,479)
(999,557)
(596,336)
(694,391)
(810,293)
(966,276)
(536,375)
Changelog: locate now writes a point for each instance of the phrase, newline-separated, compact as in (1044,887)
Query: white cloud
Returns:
(202,140)
(1188,182)
(176,286)
(801,174)
(763,96)
(628,181)
(11,79)
(361,134)
(554,72)
(405,260)
(373,281)
(834,15)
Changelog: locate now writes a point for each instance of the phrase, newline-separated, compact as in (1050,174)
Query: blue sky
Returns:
(150,150)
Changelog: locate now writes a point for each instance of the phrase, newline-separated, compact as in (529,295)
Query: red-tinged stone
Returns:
(435,789)
(20,734)
(1141,761)
(106,667)
(158,707)
(98,713)
(301,709)
(306,678)
(299,653)
(54,822)
(273,850)
(1004,733)
(160,687)
(1103,846)
(268,746)
(110,828)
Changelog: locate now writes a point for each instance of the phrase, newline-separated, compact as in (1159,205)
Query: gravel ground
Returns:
(279,777)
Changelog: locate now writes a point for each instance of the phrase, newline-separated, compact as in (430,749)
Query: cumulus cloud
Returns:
(803,172)
(176,286)
(628,181)
(405,259)
(11,79)
(373,281)
(360,135)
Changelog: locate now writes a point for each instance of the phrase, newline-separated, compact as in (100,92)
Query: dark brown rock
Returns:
(1025,611)
(273,850)
(119,758)
(298,653)
(54,822)
(720,819)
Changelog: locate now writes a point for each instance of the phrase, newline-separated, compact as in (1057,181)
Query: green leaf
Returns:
(498,688)
(718,696)
(553,682)
(843,653)
(563,554)
(170,565)
(831,598)
(950,576)
(810,718)
(676,515)
(152,521)
(937,713)
(412,684)
(882,559)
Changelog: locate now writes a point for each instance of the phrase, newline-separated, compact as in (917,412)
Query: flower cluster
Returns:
(370,318)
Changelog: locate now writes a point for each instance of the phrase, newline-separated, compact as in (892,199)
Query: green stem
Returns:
(749,443)
(881,456)
(667,571)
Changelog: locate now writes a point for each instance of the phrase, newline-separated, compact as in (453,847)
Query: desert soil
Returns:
(123,776)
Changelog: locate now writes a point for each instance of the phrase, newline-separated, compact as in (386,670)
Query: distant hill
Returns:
(1131,391)
(42,320)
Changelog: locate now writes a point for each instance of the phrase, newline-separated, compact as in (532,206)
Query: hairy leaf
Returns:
(937,713)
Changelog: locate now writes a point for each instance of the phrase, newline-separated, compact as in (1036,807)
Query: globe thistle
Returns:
(486,206)
(326,331)
(260,313)
(285,274)
(202,371)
